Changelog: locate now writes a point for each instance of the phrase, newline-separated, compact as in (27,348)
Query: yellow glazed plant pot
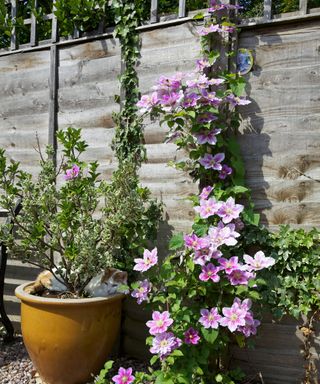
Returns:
(68,340)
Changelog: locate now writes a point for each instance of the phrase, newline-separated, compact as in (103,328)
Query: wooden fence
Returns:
(72,82)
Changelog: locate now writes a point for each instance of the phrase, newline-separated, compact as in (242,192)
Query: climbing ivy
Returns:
(128,141)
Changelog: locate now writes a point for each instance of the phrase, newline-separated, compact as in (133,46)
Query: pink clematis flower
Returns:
(200,82)
(258,262)
(234,317)
(210,319)
(235,100)
(170,101)
(141,293)
(169,84)
(202,64)
(207,208)
(164,343)
(191,336)
(221,234)
(229,265)
(225,172)
(146,103)
(206,117)
(210,29)
(190,100)
(208,137)
(205,192)
(150,258)
(124,376)
(202,256)
(250,328)
(229,211)
(212,162)
(195,242)
(159,323)
(210,272)
(240,277)
(72,173)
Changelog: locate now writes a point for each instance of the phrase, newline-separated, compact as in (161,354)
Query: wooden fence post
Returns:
(303,7)
(33,30)
(54,25)
(53,99)
(182,8)
(267,9)
(14,11)
(154,18)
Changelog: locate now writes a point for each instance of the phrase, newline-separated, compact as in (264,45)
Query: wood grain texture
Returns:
(279,134)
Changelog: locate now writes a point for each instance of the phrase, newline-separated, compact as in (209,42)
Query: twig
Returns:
(308,177)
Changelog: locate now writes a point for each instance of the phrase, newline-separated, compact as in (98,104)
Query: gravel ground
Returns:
(16,367)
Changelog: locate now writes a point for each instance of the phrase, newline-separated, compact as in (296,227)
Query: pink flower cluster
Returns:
(192,90)
(164,342)
(227,211)
(215,6)
(237,318)
(234,271)
(216,28)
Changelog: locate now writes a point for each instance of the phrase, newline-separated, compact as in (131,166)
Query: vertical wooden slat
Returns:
(14,11)
(154,17)
(54,25)
(76,33)
(182,8)
(267,9)
(101,26)
(53,98)
(303,7)
(33,31)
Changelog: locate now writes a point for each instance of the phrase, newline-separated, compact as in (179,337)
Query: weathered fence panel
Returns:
(280,132)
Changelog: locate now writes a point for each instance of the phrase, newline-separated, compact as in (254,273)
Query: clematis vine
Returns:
(199,295)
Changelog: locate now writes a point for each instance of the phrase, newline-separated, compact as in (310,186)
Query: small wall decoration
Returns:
(244,61)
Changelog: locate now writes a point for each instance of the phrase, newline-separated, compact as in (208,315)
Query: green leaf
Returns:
(198,16)
(200,229)
(176,241)
(240,340)
(154,359)
(210,335)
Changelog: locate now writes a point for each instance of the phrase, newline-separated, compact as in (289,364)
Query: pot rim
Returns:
(27,297)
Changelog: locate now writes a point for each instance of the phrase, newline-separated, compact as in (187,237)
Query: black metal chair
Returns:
(3,265)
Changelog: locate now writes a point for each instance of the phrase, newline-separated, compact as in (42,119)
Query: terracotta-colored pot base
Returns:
(69,340)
